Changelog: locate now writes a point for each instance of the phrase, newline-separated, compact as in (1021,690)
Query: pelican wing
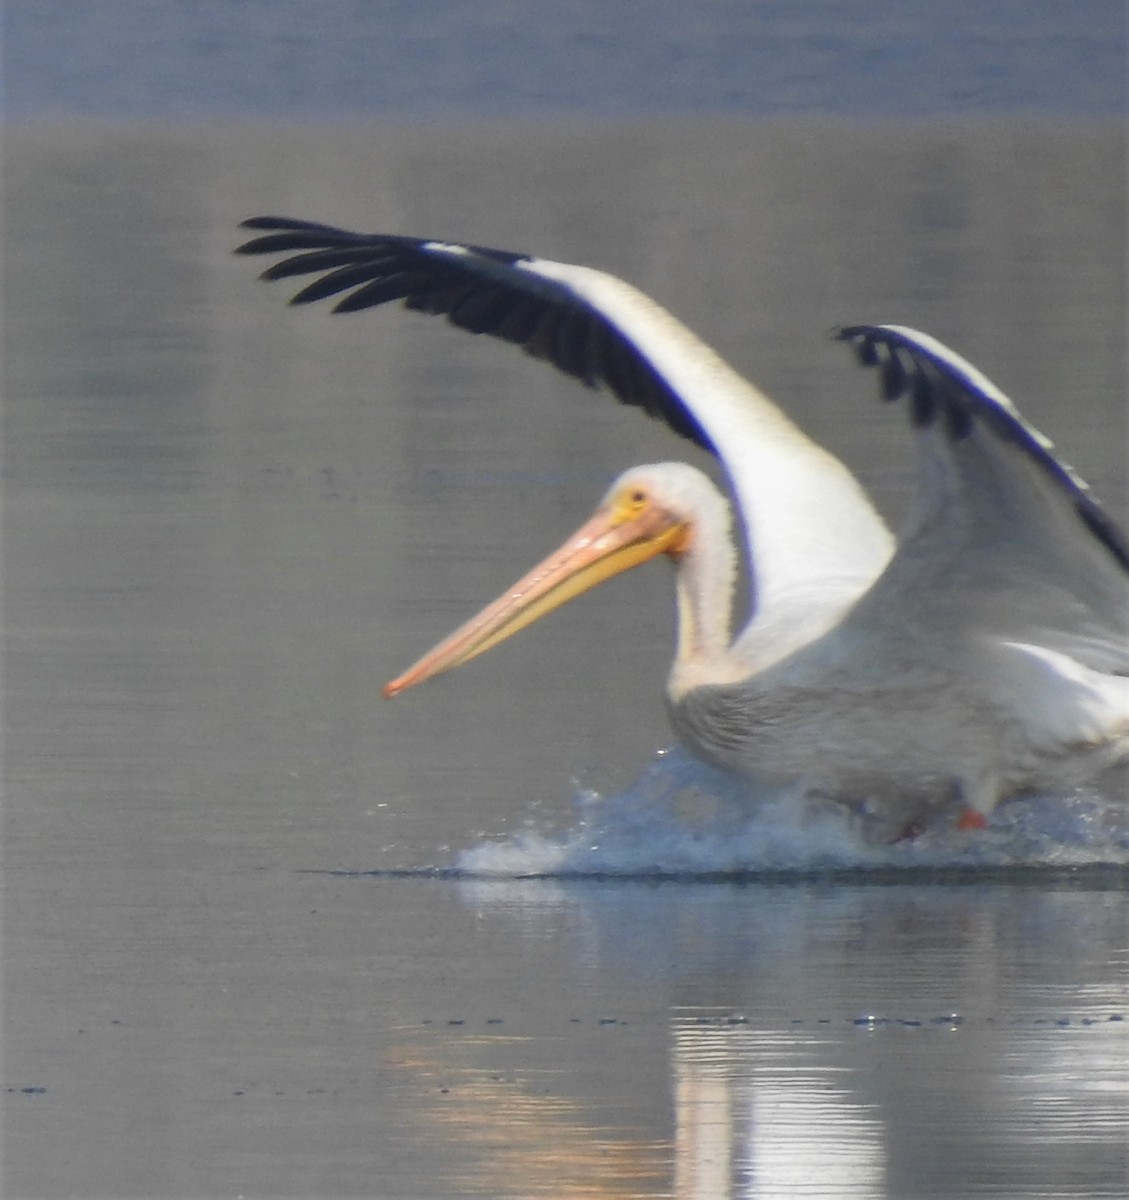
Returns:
(481,290)
(993,650)
(814,536)
(1006,540)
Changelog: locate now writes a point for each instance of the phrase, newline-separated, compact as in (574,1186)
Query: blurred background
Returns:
(397,60)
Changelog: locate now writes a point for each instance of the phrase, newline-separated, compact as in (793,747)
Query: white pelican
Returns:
(983,655)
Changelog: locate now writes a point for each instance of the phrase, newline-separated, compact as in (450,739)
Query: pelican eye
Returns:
(632,502)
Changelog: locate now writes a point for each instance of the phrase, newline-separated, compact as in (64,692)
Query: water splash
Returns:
(682,818)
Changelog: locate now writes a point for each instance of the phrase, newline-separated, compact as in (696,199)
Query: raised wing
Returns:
(481,290)
(1005,539)
(814,538)
(947,393)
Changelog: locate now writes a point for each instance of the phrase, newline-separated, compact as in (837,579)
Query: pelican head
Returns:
(648,511)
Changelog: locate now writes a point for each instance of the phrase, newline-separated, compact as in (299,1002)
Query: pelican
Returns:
(982,655)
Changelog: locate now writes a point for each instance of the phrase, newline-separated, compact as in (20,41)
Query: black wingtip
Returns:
(477,288)
(856,337)
(289,223)
(947,391)
(263,245)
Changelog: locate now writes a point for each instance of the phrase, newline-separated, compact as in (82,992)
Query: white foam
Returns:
(683,818)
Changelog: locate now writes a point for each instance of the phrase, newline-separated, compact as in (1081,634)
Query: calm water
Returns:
(540,59)
(227,971)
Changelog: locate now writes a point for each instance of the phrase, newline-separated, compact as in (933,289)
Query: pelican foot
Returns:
(971,819)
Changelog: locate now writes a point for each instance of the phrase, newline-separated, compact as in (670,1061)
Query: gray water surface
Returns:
(539,59)
(227,523)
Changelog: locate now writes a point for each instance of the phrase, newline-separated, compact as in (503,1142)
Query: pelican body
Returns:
(983,654)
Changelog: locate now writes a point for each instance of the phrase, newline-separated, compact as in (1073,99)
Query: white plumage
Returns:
(983,654)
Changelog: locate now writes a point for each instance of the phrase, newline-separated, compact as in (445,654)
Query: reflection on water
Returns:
(518,1130)
(227,523)
(763,1114)
(750,1122)
(848,1107)
(774,1041)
